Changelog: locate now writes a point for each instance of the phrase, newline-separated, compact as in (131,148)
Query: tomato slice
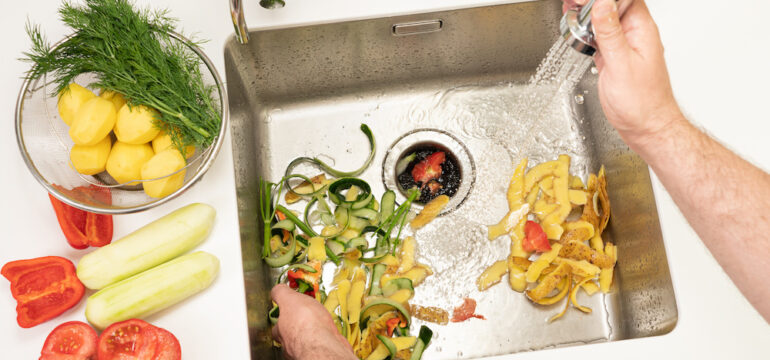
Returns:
(429,168)
(74,340)
(132,339)
(168,346)
(535,238)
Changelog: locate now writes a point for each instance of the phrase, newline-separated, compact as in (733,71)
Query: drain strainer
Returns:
(413,158)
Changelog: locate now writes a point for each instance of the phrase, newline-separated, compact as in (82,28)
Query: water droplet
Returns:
(594,70)
(579,99)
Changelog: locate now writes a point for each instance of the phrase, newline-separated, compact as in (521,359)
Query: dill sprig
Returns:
(131,52)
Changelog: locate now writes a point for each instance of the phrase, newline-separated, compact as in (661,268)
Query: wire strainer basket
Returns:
(45,146)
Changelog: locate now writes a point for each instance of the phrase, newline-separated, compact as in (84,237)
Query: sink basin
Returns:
(448,77)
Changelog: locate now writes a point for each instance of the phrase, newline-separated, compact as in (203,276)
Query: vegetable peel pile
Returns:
(556,247)
(377,270)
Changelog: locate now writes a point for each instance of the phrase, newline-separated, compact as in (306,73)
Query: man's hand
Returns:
(634,87)
(305,329)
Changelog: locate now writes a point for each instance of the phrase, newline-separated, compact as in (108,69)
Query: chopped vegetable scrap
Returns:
(555,250)
(430,211)
(43,288)
(81,228)
(466,311)
(429,168)
(377,269)
(432,169)
(70,340)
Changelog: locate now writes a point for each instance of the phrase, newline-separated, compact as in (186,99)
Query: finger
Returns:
(599,62)
(280,293)
(610,37)
(639,21)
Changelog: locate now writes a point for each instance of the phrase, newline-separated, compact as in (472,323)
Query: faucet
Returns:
(239,22)
(577,29)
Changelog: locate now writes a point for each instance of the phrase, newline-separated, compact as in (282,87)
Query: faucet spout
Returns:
(577,29)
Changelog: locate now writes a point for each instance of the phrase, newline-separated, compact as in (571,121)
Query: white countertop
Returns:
(720,79)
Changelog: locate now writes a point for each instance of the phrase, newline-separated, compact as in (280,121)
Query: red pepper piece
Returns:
(466,311)
(82,228)
(43,288)
(429,168)
(295,276)
(391,325)
(535,238)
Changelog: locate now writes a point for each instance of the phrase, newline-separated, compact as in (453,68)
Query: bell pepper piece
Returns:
(43,288)
(81,228)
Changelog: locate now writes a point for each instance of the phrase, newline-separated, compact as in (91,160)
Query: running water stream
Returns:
(535,120)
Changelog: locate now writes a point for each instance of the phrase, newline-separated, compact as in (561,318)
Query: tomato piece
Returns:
(43,288)
(466,311)
(168,346)
(132,339)
(429,168)
(535,238)
(73,340)
(81,228)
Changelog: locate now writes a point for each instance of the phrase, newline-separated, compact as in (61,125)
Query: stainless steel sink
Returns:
(448,77)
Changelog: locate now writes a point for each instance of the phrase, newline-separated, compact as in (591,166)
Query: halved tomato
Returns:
(73,340)
(168,346)
(130,339)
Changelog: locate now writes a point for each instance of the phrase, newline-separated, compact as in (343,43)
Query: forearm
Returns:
(724,198)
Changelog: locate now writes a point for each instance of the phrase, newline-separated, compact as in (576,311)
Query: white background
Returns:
(717,53)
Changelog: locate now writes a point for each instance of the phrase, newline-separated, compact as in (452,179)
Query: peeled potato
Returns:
(117,98)
(163,142)
(91,160)
(126,160)
(162,164)
(70,101)
(93,122)
(135,124)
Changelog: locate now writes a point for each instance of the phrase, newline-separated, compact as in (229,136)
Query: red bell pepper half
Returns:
(43,288)
(535,238)
(81,228)
(429,168)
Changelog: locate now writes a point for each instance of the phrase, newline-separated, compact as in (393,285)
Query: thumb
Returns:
(609,34)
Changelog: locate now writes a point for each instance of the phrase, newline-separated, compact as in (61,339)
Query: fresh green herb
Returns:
(132,52)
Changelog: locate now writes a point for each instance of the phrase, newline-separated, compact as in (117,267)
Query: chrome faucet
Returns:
(577,29)
(239,22)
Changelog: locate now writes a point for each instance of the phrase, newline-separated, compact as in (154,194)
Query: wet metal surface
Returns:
(305,91)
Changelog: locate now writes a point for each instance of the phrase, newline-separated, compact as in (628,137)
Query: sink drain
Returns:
(413,158)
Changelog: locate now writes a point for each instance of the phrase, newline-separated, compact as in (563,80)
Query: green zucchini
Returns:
(387,205)
(155,243)
(422,342)
(389,345)
(153,290)
(365,213)
(377,272)
(285,258)
(395,285)
(391,303)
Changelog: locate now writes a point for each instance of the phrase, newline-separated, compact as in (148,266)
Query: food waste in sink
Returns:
(374,260)
(548,204)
